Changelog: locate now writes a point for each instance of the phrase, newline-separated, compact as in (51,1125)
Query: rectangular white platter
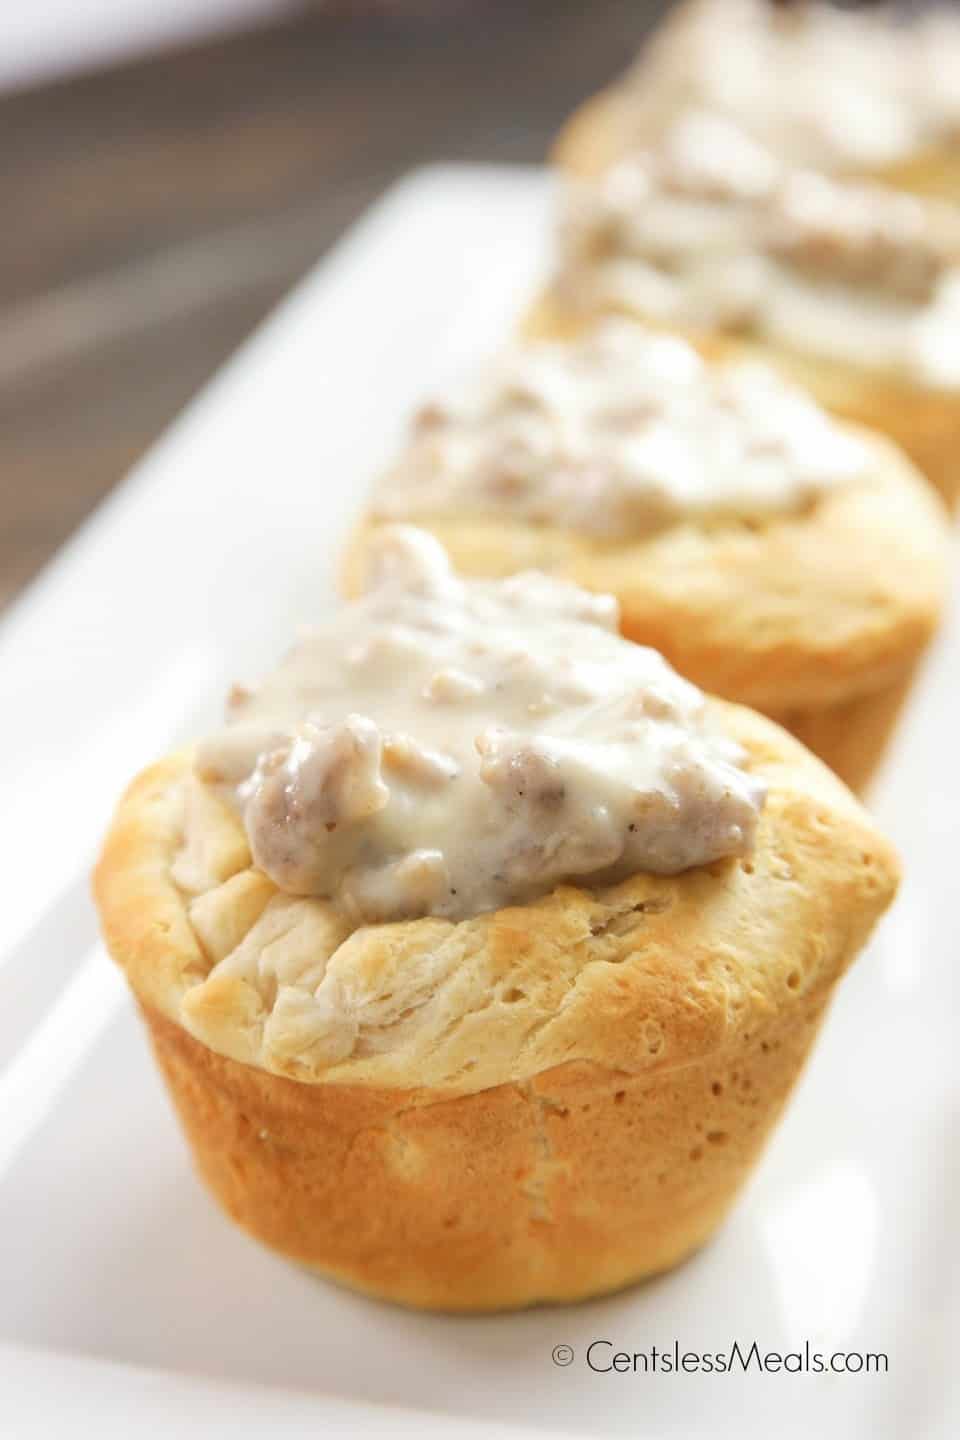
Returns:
(125,1299)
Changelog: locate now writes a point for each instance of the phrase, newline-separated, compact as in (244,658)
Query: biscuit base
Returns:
(601,131)
(572,1184)
(853,737)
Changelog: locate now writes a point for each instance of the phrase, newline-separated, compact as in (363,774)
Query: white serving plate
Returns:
(126,1300)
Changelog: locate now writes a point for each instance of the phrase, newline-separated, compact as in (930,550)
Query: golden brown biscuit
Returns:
(596,136)
(542,1103)
(569,1103)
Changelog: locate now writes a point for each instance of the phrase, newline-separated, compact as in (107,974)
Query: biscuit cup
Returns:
(538,1104)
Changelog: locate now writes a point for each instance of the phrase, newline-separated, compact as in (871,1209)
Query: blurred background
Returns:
(169,170)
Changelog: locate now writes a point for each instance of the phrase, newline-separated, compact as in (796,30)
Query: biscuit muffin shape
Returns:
(538,1104)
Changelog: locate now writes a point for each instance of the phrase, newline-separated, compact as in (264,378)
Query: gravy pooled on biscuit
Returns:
(709,229)
(849,89)
(618,434)
(448,747)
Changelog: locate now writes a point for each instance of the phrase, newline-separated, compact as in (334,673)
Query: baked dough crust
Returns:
(539,1104)
(601,131)
(817,619)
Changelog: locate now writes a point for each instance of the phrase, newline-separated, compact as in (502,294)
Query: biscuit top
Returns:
(838,90)
(446,748)
(708,229)
(619,433)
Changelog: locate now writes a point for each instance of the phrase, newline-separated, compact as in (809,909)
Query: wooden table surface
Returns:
(153,214)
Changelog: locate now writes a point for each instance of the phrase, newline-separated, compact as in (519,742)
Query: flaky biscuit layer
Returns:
(539,1104)
(656,970)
